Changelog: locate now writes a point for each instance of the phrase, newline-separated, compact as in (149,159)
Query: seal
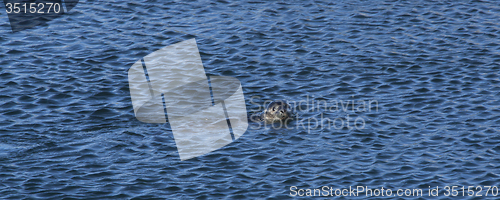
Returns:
(276,111)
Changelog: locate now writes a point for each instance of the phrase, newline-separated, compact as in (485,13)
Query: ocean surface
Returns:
(417,81)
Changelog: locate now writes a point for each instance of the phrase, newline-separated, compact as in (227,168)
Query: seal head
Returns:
(276,111)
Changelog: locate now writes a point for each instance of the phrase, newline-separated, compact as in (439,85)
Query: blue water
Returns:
(68,129)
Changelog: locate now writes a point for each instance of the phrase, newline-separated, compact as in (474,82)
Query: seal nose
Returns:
(282,114)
